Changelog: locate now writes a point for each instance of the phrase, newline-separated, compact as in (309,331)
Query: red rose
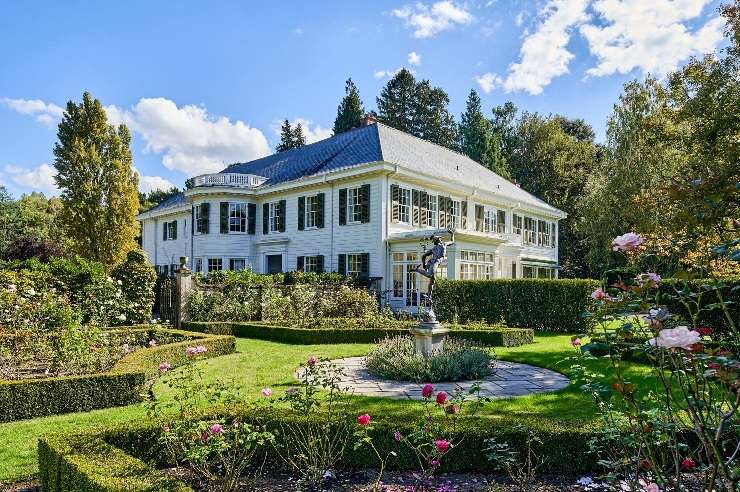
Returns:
(363,419)
(688,464)
(427,390)
(441,398)
(704,331)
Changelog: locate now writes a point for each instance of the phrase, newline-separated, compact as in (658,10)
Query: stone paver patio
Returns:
(509,379)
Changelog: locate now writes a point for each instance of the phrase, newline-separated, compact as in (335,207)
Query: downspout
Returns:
(331,242)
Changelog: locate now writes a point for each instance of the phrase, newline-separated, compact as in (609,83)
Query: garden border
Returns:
(502,337)
(118,457)
(122,385)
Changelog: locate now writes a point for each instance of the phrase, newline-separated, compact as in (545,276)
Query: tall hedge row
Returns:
(541,304)
(122,385)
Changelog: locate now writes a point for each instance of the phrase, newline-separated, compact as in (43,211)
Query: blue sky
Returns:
(203,84)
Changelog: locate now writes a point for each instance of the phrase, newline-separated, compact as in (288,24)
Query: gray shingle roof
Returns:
(375,143)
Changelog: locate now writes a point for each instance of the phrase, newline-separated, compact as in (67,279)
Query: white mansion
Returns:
(361,203)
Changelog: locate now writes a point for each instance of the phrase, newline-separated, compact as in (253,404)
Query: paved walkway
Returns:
(509,379)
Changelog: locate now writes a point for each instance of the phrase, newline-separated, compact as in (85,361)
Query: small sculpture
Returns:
(428,268)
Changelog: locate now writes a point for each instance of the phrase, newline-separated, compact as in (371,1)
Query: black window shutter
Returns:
(251,217)
(224,218)
(265,218)
(365,203)
(415,205)
(164,231)
(394,203)
(342,206)
(441,223)
(300,262)
(320,263)
(205,212)
(342,263)
(320,199)
(365,268)
(174,229)
(192,220)
(424,206)
(301,212)
(283,213)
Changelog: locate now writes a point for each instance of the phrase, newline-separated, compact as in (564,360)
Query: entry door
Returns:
(274,263)
(407,284)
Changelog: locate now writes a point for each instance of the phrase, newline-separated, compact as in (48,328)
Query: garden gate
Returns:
(166,299)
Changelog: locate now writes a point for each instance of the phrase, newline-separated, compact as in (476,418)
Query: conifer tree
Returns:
(431,119)
(475,130)
(286,137)
(350,111)
(397,100)
(98,183)
(299,139)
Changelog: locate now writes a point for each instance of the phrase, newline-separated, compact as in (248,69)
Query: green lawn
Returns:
(257,364)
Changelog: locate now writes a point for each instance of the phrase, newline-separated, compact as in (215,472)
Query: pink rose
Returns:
(216,429)
(311,361)
(363,419)
(627,242)
(434,463)
(427,390)
(679,337)
(191,351)
(442,446)
(266,392)
(599,294)
(652,487)
(441,398)
(649,278)
(201,349)
(164,367)
(576,342)
(688,464)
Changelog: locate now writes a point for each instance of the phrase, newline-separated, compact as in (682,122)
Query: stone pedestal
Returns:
(429,336)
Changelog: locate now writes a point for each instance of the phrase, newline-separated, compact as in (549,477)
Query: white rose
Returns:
(679,337)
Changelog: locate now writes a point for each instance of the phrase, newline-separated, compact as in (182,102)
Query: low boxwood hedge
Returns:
(117,457)
(122,385)
(497,337)
(543,304)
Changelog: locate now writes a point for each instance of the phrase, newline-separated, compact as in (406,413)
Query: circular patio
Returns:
(509,379)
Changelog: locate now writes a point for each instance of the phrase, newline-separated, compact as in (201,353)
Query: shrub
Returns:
(137,279)
(699,294)
(347,331)
(26,247)
(541,304)
(395,358)
(122,385)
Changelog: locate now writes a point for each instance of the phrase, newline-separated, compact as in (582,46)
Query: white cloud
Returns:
(379,74)
(650,36)
(487,82)
(519,19)
(46,113)
(40,178)
(544,54)
(430,21)
(151,183)
(312,132)
(414,58)
(192,140)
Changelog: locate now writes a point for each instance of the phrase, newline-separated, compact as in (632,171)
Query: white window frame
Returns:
(489,220)
(456,214)
(310,264)
(432,211)
(500,224)
(543,234)
(171,228)
(218,260)
(198,219)
(517,225)
(198,265)
(477,265)
(404,205)
(530,235)
(243,259)
(354,205)
(354,265)
(311,212)
(273,221)
(237,217)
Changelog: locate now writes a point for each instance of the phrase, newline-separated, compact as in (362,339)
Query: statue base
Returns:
(429,337)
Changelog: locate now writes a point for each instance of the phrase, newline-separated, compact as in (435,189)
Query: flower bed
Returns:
(116,458)
(122,385)
(353,332)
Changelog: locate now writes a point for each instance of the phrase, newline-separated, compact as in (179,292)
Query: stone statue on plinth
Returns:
(429,335)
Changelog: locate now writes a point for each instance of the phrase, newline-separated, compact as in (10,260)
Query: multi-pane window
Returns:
(476,265)
(530,230)
(432,211)
(237,217)
(479,218)
(170,230)
(312,211)
(199,265)
(490,220)
(311,264)
(501,221)
(404,205)
(544,233)
(354,205)
(456,214)
(545,272)
(215,264)
(201,218)
(354,265)
(275,218)
(237,264)
(516,224)
(528,271)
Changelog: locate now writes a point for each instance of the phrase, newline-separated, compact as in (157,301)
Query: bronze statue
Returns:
(428,268)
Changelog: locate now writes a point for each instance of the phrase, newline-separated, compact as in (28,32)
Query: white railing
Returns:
(230,179)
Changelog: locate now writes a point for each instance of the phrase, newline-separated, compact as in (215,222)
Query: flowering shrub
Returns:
(136,278)
(686,418)
(396,358)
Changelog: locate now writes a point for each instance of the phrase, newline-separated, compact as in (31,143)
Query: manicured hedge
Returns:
(502,337)
(714,318)
(542,304)
(122,385)
(115,458)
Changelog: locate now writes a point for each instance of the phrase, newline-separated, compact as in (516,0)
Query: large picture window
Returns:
(476,265)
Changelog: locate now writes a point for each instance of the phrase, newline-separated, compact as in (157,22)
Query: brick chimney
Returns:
(368,120)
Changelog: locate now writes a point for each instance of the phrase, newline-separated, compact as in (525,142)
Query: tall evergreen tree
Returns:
(475,130)
(431,119)
(299,139)
(286,137)
(397,100)
(98,183)
(350,110)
